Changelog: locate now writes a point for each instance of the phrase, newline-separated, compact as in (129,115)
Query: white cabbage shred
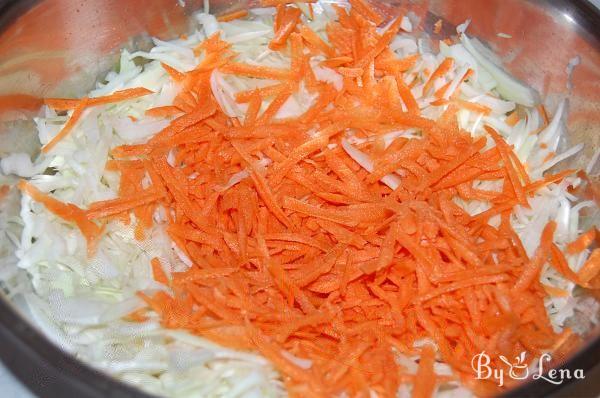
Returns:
(80,304)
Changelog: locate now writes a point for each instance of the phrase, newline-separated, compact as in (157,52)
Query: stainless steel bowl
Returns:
(60,48)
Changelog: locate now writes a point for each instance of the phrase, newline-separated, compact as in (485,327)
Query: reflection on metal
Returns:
(569,18)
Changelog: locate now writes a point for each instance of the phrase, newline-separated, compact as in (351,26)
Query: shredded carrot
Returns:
(313,211)
(75,116)
(275,105)
(441,70)
(582,242)
(350,72)
(163,111)
(264,191)
(366,10)
(380,46)
(116,206)
(254,105)
(541,256)
(549,179)
(407,96)
(213,46)
(263,72)
(425,377)
(174,73)
(79,107)
(471,106)
(61,104)
(554,291)
(67,104)
(68,212)
(264,92)
(288,18)
(559,262)
(507,157)
(336,61)
(304,242)
(388,62)
(232,16)
(591,268)
(311,37)
(158,273)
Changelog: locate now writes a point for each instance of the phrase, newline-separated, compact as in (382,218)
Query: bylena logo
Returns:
(517,369)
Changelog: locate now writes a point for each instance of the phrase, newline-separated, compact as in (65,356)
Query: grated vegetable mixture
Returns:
(303,199)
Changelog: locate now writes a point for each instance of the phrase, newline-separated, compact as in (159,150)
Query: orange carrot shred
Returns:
(559,262)
(425,377)
(253,108)
(67,212)
(407,96)
(263,72)
(471,106)
(264,92)
(158,273)
(311,37)
(441,70)
(582,242)
(163,111)
(508,164)
(554,291)
(290,16)
(122,95)
(174,73)
(350,72)
(232,16)
(79,107)
(364,8)
(336,61)
(591,268)
(264,190)
(75,116)
(543,252)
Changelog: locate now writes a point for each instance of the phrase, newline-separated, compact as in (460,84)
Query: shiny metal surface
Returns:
(61,47)
(39,57)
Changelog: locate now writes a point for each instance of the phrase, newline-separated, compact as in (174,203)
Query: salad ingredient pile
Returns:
(314,184)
